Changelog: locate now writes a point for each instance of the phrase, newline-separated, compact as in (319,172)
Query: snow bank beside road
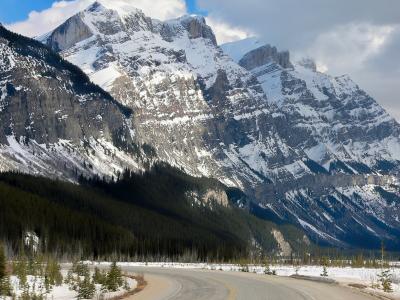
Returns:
(344,275)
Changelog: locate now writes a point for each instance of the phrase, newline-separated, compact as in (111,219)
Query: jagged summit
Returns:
(333,118)
(178,80)
(122,7)
(264,55)
(197,27)
(109,18)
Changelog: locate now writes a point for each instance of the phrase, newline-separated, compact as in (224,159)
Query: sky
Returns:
(358,37)
(10,14)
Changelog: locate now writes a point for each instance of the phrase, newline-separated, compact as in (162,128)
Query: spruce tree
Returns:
(114,278)
(324,272)
(53,272)
(3,262)
(385,278)
(5,286)
(20,268)
(267,270)
(86,288)
(99,277)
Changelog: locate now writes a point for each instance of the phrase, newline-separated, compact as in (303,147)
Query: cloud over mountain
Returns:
(360,37)
(40,22)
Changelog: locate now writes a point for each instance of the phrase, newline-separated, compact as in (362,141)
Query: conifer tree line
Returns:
(141,217)
(145,216)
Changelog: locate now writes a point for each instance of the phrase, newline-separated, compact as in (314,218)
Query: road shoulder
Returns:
(158,287)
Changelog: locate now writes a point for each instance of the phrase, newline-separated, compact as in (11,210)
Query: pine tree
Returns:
(80,268)
(267,270)
(70,277)
(324,262)
(297,269)
(114,278)
(385,278)
(3,262)
(86,288)
(20,268)
(99,277)
(53,272)
(324,272)
(47,284)
(5,287)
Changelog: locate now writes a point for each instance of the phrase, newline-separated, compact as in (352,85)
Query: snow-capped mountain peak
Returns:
(236,50)
(122,7)
(335,118)
(173,73)
(254,121)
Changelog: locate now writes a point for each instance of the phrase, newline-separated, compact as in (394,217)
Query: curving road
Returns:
(187,284)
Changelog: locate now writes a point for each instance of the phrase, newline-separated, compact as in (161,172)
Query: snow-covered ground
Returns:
(347,275)
(343,275)
(64,292)
(367,277)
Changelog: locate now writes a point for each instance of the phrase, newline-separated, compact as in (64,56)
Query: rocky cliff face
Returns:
(265,55)
(264,123)
(197,28)
(350,141)
(197,108)
(331,119)
(71,32)
(53,120)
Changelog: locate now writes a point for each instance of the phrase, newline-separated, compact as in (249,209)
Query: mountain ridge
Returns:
(268,127)
(184,62)
(52,114)
(245,127)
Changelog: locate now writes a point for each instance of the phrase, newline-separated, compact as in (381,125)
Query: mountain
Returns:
(348,138)
(331,119)
(197,108)
(306,148)
(54,121)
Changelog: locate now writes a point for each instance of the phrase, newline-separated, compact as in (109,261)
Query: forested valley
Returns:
(147,216)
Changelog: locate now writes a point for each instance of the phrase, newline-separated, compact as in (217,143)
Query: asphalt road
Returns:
(186,284)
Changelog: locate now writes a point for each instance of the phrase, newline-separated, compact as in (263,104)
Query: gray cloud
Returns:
(292,21)
(358,37)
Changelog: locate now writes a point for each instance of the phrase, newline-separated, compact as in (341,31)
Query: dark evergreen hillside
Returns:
(146,215)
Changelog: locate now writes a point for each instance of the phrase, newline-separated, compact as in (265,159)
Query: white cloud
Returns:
(349,46)
(358,37)
(41,22)
(158,9)
(368,53)
(294,23)
(226,33)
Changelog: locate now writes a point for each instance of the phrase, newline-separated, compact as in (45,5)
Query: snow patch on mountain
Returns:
(335,118)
